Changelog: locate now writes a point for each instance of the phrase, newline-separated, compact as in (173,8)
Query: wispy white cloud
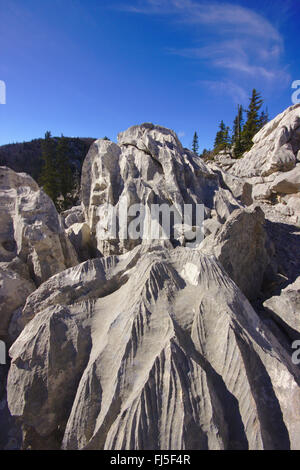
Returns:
(249,69)
(209,13)
(221,87)
(242,43)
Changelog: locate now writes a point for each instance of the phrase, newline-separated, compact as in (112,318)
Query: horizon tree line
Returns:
(239,138)
(57,176)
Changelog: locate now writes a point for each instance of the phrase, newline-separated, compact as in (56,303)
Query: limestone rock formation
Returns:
(154,349)
(122,343)
(286,309)
(269,170)
(240,188)
(287,183)
(80,236)
(14,291)
(275,146)
(72,216)
(147,166)
(31,228)
(243,248)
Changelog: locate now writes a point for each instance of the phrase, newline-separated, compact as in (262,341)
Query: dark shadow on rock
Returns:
(286,240)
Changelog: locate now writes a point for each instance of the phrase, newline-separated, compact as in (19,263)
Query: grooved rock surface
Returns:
(154,349)
(148,166)
(153,345)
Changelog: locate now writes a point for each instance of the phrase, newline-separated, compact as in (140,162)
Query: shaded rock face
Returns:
(148,166)
(80,237)
(154,349)
(149,345)
(243,248)
(72,216)
(286,309)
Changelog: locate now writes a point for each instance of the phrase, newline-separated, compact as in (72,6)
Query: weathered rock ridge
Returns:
(33,243)
(150,344)
(270,171)
(275,146)
(147,166)
(150,350)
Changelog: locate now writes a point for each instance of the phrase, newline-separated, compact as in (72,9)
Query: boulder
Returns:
(239,187)
(284,209)
(153,349)
(151,344)
(148,166)
(224,160)
(31,228)
(14,291)
(287,183)
(275,146)
(285,309)
(72,216)
(243,248)
(261,192)
(294,203)
(211,226)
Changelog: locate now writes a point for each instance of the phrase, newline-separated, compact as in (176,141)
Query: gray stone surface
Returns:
(287,183)
(80,236)
(72,216)
(14,291)
(275,146)
(243,248)
(154,349)
(147,166)
(153,345)
(31,227)
(286,309)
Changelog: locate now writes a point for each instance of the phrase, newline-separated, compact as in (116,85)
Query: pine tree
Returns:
(49,174)
(264,118)
(237,133)
(195,145)
(253,123)
(227,138)
(222,140)
(237,126)
(66,181)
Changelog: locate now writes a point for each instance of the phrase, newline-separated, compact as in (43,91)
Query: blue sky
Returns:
(92,68)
